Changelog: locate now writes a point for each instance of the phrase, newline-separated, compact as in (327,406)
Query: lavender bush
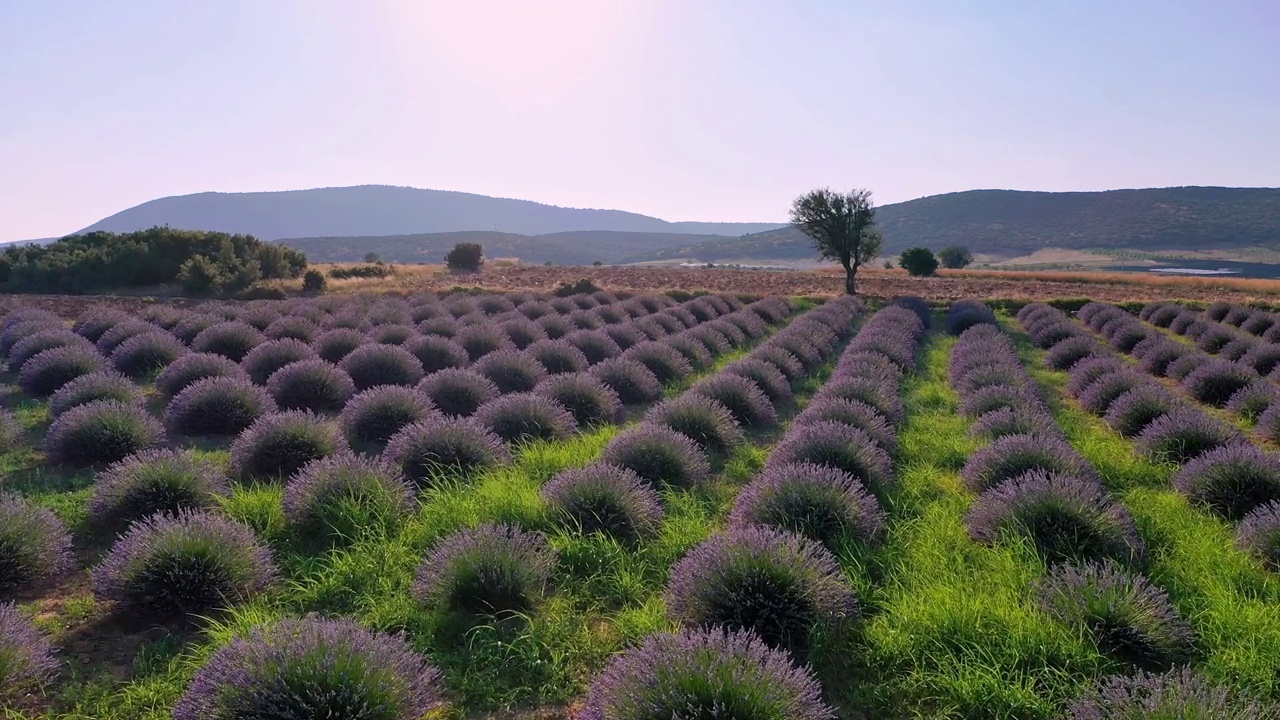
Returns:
(820,503)
(155,481)
(604,499)
(34,544)
(100,432)
(489,570)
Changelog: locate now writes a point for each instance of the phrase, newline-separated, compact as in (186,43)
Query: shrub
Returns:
(1231,481)
(100,432)
(1099,396)
(1259,533)
(1182,367)
(1214,338)
(314,281)
(1090,370)
(465,257)
(26,656)
(701,419)
(918,261)
(556,326)
(292,327)
(587,399)
(633,382)
(1254,399)
(119,333)
(49,371)
(313,668)
(1215,382)
(34,546)
(217,406)
(1071,351)
(392,334)
(558,357)
(511,371)
(699,357)
(1157,360)
(670,674)
(871,392)
(840,447)
(313,385)
(336,344)
(278,445)
(604,499)
(189,327)
(437,353)
(626,335)
(458,392)
(189,562)
(1066,518)
(585,320)
(373,416)
(1128,337)
(1049,335)
(665,362)
(771,381)
(597,346)
(488,570)
(965,314)
(1180,695)
(521,417)
(955,256)
(659,455)
(264,360)
(1183,434)
(1262,358)
(105,385)
(1008,421)
(1126,615)
(146,353)
(778,585)
(742,397)
(338,499)
(232,340)
(155,481)
(480,340)
(1013,456)
(374,365)
(998,397)
(95,322)
(823,504)
(854,414)
(193,367)
(437,446)
(1134,410)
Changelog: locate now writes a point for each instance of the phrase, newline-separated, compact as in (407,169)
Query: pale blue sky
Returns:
(684,109)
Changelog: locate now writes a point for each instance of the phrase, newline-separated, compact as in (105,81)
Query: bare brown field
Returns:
(948,285)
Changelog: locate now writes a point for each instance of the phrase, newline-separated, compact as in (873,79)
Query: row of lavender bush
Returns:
(1219,469)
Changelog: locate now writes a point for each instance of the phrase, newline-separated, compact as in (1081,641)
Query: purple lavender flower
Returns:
(192,367)
(820,503)
(1215,382)
(525,416)
(605,499)
(1090,370)
(279,444)
(659,455)
(480,340)
(100,432)
(776,584)
(146,353)
(373,416)
(1006,422)
(855,414)
(1127,616)
(701,419)
(155,481)
(85,389)
(841,447)
(342,497)
(314,385)
(188,562)
(1071,351)
(1231,480)
(458,392)
(232,340)
(1180,694)
(217,406)
(1184,433)
(26,656)
(334,345)
(487,570)
(39,342)
(1259,533)
(313,668)
(511,371)
(779,357)
(1097,398)
(372,365)
(743,398)
(48,371)
(1065,518)
(265,359)
(1131,412)
(634,383)
(34,544)
(439,446)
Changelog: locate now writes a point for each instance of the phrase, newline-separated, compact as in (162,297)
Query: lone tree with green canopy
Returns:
(842,226)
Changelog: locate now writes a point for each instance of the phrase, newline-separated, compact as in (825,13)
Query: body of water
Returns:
(1206,267)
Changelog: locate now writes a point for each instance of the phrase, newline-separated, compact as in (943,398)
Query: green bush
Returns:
(581,286)
(918,261)
(201,262)
(955,257)
(465,256)
(361,271)
(314,281)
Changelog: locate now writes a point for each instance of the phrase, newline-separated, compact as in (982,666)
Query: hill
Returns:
(1011,222)
(567,248)
(376,210)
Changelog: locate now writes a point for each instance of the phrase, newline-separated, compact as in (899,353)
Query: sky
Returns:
(683,109)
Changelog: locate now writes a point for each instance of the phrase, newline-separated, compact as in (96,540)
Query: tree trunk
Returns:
(850,280)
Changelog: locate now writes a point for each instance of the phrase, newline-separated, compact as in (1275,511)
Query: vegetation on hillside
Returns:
(202,262)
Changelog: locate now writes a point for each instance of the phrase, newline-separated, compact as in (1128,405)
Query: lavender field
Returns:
(612,507)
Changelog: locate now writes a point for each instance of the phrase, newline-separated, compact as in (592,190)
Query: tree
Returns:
(465,256)
(842,227)
(918,261)
(955,256)
(314,281)
(372,257)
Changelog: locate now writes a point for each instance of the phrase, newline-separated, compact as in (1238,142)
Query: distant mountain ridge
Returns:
(375,210)
(1013,222)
